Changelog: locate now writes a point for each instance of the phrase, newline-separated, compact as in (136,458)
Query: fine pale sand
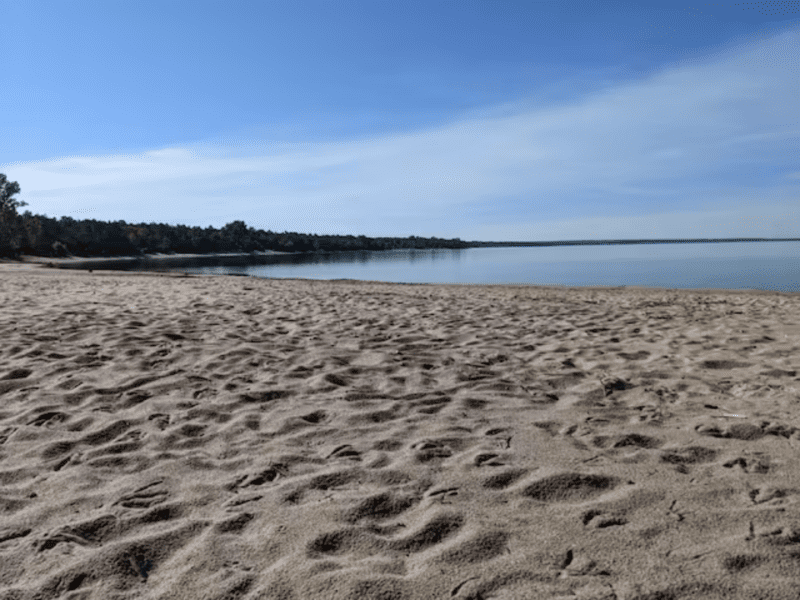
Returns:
(210,438)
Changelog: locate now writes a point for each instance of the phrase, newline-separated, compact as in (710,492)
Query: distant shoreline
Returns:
(624,242)
(74,260)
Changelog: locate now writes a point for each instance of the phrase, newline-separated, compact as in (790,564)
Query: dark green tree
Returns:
(9,189)
(11,230)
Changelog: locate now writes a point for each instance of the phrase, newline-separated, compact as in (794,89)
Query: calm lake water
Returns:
(735,265)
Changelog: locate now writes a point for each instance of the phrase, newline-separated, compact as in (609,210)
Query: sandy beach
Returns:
(212,438)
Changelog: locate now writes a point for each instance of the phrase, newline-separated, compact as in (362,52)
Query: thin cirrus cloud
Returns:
(706,148)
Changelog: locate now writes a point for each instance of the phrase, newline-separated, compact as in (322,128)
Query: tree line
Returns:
(39,235)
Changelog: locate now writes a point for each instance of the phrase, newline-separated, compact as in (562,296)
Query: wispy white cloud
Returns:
(689,151)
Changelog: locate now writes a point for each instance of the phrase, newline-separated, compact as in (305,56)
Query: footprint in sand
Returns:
(570,487)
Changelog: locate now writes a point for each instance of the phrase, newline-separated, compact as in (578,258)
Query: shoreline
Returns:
(95,264)
(50,266)
(73,259)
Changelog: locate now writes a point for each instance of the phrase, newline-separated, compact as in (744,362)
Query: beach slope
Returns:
(208,438)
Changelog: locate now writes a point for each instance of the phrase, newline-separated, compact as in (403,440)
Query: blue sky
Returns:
(489,120)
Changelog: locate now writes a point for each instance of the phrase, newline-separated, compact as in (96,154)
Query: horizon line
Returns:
(644,241)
